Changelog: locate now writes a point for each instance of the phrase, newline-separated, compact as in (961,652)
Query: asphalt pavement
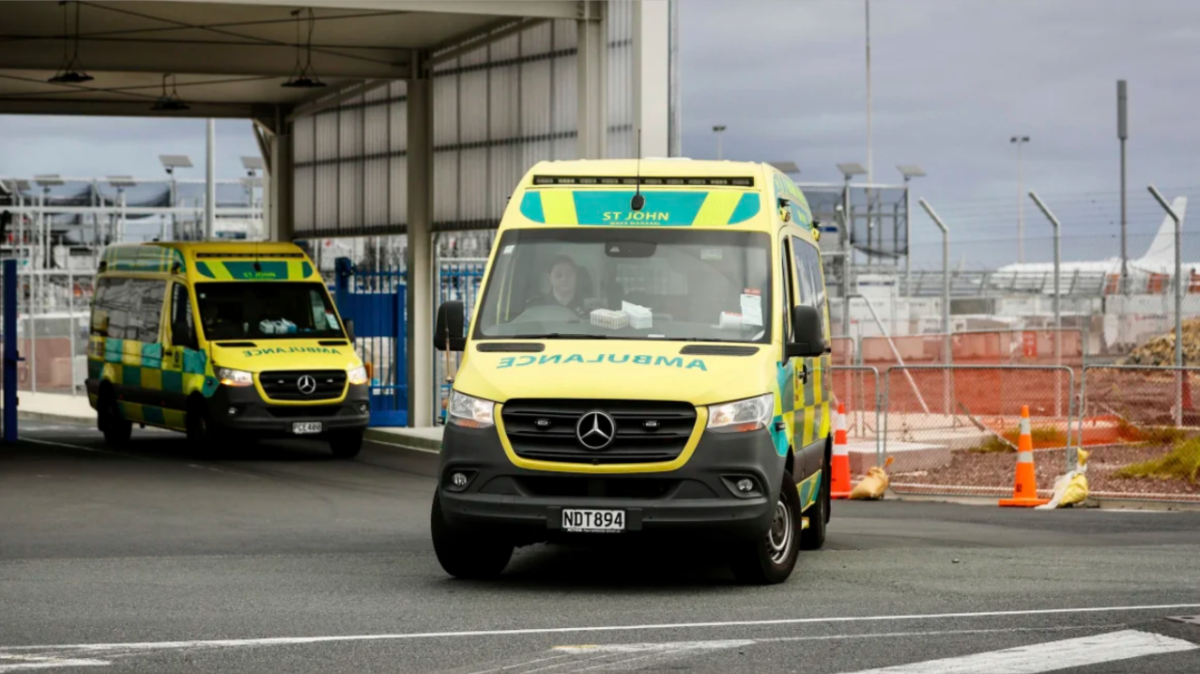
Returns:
(281,558)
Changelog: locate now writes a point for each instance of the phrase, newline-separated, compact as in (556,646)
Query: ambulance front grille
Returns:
(647,431)
(285,384)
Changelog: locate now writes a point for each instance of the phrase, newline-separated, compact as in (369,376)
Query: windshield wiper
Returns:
(564,335)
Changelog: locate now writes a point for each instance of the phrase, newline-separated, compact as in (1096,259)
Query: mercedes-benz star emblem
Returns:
(306,384)
(596,430)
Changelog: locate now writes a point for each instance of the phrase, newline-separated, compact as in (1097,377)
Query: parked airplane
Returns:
(1147,274)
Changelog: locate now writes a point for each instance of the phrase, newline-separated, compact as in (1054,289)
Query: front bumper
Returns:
(700,495)
(255,416)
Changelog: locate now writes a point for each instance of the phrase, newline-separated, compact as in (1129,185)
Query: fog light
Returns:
(458,480)
(745,485)
(233,411)
(362,408)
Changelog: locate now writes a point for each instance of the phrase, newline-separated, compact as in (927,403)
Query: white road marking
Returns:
(285,641)
(1051,656)
(411,449)
(24,663)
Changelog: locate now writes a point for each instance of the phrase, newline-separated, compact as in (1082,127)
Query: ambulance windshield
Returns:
(654,283)
(265,310)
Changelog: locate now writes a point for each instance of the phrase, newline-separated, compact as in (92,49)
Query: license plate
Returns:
(595,521)
(306,427)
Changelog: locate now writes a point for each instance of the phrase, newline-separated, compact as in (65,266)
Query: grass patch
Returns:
(1182,463)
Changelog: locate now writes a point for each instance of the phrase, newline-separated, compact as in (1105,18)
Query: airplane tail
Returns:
(1162,248)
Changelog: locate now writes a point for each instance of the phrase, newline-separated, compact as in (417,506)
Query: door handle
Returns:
(803,372)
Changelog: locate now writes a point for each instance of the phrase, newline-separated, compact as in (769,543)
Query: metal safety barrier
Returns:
(1141,427)
(858,388)
(962,438)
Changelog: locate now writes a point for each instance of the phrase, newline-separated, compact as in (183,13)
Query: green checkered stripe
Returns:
(143,258)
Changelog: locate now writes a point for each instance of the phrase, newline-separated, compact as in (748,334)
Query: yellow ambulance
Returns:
(650,353)
(227,342)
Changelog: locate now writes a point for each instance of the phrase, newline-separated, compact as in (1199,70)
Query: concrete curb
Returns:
(47,416)
(401,441)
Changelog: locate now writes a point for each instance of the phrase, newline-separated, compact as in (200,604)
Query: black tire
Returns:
(813,538)
(467,554)
(202,435)
(117,431)
(346,444)
(770,558)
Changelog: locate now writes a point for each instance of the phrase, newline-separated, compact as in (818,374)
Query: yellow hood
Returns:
(615,369)
(285,354)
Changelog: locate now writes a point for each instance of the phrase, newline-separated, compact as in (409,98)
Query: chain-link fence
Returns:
(857,388)
(1141,426)
(954,429)
(52,330)
(976,347)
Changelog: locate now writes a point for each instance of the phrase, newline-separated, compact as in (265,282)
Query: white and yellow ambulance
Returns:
(224,341)
(650,353)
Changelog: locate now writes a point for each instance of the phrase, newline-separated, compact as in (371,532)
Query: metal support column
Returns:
(1057,297)
(11,357)
(591,60)
(419,263)
(651,77)
(945,298)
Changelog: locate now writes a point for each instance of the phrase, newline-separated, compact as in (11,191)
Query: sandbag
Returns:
(874,485)
(1071,488)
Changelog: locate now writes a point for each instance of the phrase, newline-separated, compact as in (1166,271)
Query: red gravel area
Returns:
(992,474)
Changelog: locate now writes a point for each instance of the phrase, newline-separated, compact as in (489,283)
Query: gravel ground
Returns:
(992,473)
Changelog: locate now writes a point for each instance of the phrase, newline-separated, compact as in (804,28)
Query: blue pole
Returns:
(11,357)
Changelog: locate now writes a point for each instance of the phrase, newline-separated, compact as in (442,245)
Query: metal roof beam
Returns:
(136,108)
(332,99)
(204,58)
(541,9)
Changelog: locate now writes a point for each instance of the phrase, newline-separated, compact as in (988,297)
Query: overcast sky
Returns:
(952,82)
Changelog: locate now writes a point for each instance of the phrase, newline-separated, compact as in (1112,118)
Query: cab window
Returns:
(249,310)
(132,309)
(183,329)
(592,282)
(808,271)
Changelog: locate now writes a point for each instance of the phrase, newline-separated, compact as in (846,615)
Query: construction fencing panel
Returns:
(976,347)
(844,351)
(857,388)
(953,429)
(1141,427)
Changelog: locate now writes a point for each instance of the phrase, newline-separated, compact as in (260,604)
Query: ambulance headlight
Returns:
(464,410)
(229,377)
(742,415)
(357,375)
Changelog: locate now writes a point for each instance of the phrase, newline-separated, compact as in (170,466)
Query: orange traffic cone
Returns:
(1025,486)
(839,484)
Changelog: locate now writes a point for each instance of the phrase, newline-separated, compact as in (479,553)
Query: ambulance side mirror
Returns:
(448,334)
(808,334)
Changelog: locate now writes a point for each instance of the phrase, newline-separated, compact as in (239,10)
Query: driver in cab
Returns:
(564,286)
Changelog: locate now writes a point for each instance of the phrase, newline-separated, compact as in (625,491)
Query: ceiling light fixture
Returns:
(72,71)
(304,77)
(169,102)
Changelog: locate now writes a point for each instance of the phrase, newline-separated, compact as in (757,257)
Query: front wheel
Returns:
(467,554)
(202,434)
(117,431)
(813,538)
(346,444)
(771,558)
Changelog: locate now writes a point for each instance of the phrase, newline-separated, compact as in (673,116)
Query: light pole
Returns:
(1019,141)
(1057,298)
(909,171)
(718,130)
(945,294)
(848,171)
(170,162)
(1178,303)
(1123,135)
